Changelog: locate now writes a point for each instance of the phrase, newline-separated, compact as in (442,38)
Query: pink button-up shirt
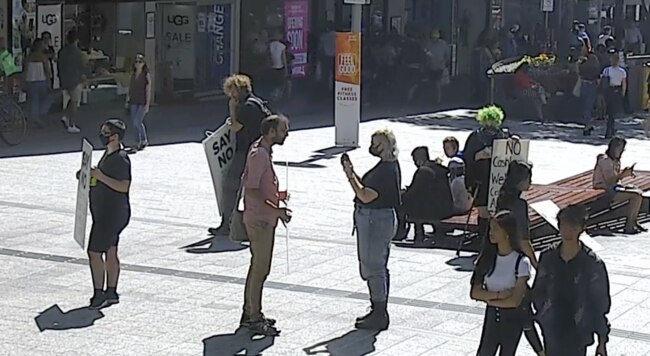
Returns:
(259,175)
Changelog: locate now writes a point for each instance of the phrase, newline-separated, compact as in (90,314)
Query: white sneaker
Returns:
(73,129)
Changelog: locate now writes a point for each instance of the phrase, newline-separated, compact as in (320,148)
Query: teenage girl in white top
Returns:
(615,91)
(499,280)
(38,75)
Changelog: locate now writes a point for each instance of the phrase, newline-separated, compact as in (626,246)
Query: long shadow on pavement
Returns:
(53,318)
(463,264)
(352,343)
(214,244)
(241,342)
(319,155)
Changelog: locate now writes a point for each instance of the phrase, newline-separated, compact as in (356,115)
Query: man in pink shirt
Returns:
(261,214)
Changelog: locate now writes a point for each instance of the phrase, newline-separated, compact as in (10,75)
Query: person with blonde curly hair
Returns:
(246,114)
(377,197)
(477,155)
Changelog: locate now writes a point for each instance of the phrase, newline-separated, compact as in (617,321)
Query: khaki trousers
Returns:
(262,238)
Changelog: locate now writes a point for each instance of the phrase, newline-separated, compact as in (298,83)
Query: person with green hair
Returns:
(477,156)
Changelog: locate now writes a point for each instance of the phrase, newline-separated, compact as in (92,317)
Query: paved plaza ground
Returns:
(182,293)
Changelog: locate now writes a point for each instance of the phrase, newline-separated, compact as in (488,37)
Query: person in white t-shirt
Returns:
(462,199)
(278,52)
(500,280)
(616,77)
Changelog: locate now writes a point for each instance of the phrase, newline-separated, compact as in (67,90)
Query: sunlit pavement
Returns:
(179,300)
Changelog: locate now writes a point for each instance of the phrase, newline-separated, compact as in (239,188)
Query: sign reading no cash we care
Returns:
(504,152)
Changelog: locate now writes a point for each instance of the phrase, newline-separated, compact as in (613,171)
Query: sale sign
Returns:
(296,14)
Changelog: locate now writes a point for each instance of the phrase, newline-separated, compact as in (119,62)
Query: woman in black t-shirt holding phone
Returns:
(377,195)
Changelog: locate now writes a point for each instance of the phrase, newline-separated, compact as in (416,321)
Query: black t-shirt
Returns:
(478,140)
(519,208)
(386,179)
(103,199)
(250,115)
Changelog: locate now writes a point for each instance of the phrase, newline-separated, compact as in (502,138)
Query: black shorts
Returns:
(105,233)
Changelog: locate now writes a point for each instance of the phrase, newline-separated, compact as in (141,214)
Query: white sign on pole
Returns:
(347,87)
(83,194)
(548,5)
(219,150)
(49,19)
(504,152)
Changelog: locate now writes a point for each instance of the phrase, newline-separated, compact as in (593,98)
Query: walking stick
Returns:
(469,215)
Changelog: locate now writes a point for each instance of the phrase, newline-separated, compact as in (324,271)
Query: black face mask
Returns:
(374,151)
(105,140)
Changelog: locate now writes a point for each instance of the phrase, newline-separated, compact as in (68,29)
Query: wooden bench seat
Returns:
(569,191)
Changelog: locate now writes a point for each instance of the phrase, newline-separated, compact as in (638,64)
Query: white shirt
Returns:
(602,39)
(502,277)
(462,198)
(616,76)
(277,48)
(35,72)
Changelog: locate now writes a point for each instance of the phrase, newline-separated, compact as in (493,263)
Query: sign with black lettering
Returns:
(220,151)
(179,27)
(49,20)
(504,152)
(83,194)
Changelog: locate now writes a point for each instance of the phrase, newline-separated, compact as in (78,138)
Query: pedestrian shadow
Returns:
(53,318)
(352,343)
(318,155)
(463,264)
(215,244)
(239,343)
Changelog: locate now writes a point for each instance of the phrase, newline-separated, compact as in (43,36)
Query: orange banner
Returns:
(348,58)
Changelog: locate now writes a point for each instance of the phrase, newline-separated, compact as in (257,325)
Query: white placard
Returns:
(220,150)
(504,152)
(548,5)
(83,194)
(548,211)
(49,19)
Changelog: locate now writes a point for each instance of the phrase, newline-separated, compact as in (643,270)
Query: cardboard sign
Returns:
(220,150)
(504,152)
(83,194)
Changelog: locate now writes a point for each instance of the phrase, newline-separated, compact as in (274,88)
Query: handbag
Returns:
(237,228)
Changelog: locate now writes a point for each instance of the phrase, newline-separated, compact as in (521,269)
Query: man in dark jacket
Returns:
(571,291)
(72,74)
(246,112)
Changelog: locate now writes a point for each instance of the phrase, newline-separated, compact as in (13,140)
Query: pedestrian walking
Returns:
(140,100)
(377,197)
(500,280)
(38,75)
(72,74)
(518,180)
(614,86)
(588,75)
(477,155)
(571,291)
(246,114)
(111,211)
(261,213)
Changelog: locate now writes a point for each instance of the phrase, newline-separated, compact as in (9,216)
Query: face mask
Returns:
(375,151)
(104,139)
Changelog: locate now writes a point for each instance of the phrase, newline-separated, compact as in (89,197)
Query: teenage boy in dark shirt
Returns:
(571,291)
(111,211)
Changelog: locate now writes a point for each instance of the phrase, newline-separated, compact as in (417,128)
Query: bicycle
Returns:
(13,121)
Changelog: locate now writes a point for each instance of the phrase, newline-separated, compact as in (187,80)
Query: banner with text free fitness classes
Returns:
(347,86)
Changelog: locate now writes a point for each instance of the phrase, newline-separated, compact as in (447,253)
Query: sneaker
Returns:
(245,321)
(112,298)
(377,319)
(264,329)
(73,129)
(97,302)
(221,230)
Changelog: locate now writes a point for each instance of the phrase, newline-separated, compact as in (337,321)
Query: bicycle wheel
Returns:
(13,124)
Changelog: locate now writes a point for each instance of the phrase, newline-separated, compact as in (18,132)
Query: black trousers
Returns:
(561,343)
(502,329)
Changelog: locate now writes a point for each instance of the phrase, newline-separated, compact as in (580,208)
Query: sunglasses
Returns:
(139,61)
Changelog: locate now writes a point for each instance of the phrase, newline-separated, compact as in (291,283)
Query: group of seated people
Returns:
(434,181)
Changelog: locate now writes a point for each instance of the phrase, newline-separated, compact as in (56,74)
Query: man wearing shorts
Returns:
(110,210)
(71,68)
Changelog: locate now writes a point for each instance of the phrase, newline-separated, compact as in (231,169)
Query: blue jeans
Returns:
(375,231)
(588,94)
(38,94)
(137,118)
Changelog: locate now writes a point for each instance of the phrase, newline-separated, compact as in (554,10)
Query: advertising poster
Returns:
(179,27)
(504,152)
(220,150)
(296,14)
(347,86)
(83,194)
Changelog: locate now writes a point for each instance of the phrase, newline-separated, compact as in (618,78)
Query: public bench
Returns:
(569,191)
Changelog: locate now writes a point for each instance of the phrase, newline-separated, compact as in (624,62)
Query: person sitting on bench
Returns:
(462,199)
(608,175)
(428,198)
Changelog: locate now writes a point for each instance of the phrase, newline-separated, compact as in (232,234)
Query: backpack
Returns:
(261,104)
